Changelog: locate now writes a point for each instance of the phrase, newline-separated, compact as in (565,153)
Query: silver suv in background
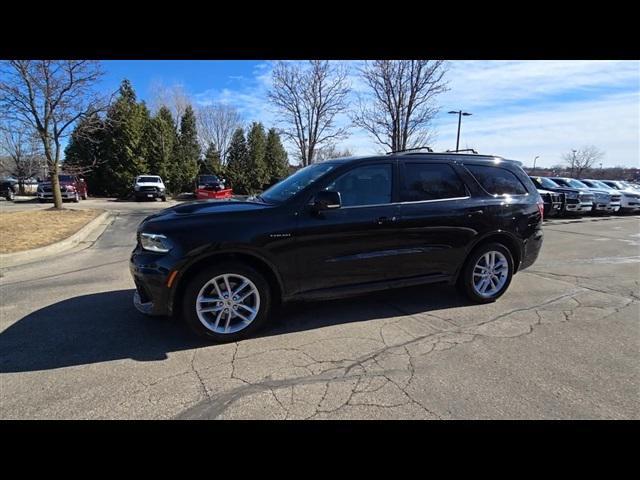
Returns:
(630,200)
(586,198)
(615,196)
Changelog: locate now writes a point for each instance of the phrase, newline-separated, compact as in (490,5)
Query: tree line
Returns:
(128,141)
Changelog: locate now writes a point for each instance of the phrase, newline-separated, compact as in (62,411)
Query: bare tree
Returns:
(21,144)
(50,96)
(216,124)
(308,100)
(400,104)
(331,151)
(583,159)
(174,97)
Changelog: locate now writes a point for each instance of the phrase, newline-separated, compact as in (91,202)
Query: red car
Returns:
(211,186)
(72,187)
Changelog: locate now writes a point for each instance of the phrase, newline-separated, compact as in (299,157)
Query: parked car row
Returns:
(569,196)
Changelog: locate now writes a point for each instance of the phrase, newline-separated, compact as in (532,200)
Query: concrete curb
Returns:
(28,256)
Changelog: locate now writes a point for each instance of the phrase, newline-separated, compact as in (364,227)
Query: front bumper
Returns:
(66,195)
(150,273)
(579,207)
(150,194)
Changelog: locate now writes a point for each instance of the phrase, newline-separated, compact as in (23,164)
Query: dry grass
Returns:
(36,228)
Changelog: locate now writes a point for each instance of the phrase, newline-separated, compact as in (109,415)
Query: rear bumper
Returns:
(531,249)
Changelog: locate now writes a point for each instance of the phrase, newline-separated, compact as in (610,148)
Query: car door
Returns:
(438,218)
(355,243)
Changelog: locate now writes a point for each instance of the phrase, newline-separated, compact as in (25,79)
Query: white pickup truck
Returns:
(149,187)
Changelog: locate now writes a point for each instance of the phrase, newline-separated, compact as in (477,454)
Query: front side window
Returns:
(287,188)
(496,180)
(366,185)
(430,181)
(543,182)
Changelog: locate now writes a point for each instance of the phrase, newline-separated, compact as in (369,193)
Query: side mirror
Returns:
(326,200)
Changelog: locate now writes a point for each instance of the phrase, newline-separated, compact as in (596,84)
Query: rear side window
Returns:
(497,181)
(430,181)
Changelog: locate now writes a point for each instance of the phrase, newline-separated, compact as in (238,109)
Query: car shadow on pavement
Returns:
(103,327)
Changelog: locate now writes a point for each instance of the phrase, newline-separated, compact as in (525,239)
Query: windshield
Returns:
(287,188)
(65,178)
(207,179)
(615,185)
(546,183)
(599,184)
(148,179)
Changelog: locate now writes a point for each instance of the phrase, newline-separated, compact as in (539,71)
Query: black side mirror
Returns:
(326,200)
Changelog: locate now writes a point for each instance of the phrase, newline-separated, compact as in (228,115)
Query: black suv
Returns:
(338,228)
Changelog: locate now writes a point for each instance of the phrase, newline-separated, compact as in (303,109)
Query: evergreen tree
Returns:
(185,166)
(237,163)
(256,146)
(212,163)
(160,143)
(123,147)
(275,159)
(83,153)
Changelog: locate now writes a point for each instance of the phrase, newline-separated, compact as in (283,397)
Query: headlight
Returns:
(155,242)
(162,189)
(572,195)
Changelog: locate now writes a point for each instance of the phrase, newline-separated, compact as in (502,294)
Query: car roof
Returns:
(428,156)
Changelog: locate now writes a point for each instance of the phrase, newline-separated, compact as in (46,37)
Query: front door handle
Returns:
(385,220)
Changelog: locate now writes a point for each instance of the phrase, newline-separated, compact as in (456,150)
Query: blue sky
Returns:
(521,109)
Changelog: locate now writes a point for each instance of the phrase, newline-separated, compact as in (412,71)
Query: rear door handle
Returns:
(385,220)
(475,212)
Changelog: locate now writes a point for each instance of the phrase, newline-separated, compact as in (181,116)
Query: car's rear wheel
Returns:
(227,303)
(487,273)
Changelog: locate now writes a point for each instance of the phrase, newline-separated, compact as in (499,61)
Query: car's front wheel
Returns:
(227,303)
(487,273)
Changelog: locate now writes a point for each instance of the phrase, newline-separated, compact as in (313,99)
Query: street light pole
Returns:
(534,162)
(460,113)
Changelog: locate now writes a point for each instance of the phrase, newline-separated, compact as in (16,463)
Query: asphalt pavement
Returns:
(562,343)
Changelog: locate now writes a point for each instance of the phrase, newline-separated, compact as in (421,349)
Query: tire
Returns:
(41,200)
(466,279)
(238,273)
(164,198)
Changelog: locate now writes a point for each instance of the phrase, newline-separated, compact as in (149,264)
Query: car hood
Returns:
(207,207)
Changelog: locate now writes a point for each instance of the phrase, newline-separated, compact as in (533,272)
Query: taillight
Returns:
(541,209)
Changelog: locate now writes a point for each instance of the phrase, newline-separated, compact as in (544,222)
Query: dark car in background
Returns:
(72,187)
(338,228)
(8,188)
(577,200)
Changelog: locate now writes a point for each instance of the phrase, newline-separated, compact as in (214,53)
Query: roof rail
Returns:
(465,150)
(410,150)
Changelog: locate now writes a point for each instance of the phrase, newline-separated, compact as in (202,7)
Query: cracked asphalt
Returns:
(562,343)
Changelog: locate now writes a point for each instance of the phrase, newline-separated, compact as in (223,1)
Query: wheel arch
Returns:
(251,259)
(509,240)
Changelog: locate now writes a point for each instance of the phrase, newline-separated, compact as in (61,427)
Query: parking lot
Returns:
(562,343)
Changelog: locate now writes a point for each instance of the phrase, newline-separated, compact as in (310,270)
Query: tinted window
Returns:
(497,181)
(367,185)
(293,184)
(148,179)
(66,178)
(425,181)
